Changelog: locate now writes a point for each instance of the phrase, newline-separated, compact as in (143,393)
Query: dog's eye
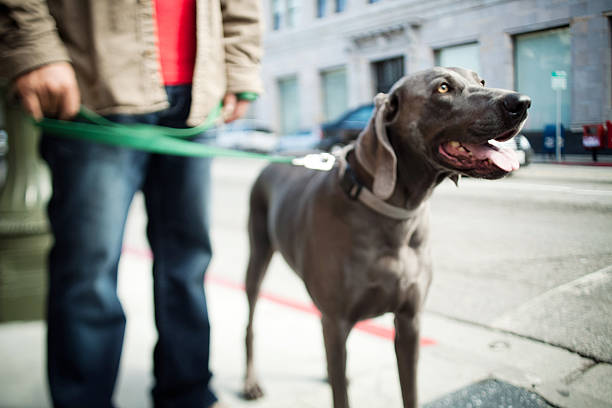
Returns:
(443,88)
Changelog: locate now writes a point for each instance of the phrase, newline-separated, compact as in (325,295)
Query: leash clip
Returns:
(318,161)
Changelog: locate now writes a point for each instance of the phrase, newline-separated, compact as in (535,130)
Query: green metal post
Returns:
(24,230)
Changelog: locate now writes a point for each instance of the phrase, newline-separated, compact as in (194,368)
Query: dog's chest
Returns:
(387,272)
(391,247)
(386,286)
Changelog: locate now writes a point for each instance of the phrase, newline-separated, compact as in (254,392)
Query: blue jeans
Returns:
(93,186)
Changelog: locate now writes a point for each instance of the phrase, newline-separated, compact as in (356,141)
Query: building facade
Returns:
(323,57)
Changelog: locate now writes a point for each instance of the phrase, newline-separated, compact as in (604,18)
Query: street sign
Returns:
(558,80)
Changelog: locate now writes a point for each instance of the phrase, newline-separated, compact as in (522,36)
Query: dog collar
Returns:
(356,191)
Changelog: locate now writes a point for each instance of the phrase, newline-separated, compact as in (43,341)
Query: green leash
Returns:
(150,138)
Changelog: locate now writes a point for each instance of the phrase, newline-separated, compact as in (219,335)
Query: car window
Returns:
(361,114)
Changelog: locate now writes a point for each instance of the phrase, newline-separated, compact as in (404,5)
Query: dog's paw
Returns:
(252,391)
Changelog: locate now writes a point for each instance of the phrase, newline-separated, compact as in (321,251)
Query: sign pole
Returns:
(558,127)
(558,82)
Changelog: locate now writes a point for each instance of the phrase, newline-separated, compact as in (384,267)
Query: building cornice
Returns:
(376,19)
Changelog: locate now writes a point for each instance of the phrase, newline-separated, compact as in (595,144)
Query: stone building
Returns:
(323,57)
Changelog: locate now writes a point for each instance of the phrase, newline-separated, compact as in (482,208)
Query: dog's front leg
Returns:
(407,353)
(335,333)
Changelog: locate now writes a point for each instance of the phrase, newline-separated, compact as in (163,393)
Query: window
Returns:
(292,11)
(462,56)
(289,105)
(340,6)
(537,55)
(335,100)
(276,14)
(321,4)
(284,13)
(388,72)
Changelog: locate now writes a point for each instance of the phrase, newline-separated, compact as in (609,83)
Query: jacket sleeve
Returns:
(242,31)
(28,37)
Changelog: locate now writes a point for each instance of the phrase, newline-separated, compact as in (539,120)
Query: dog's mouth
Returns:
(487,160)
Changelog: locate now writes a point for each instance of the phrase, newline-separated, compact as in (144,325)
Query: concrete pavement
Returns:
(455,354)
(291,357)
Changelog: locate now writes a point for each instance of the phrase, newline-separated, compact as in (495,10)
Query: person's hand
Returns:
(50,90)
(234,108)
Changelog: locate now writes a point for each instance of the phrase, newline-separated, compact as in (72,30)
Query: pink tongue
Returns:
(505,159)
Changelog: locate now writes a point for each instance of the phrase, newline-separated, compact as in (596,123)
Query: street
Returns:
(503,248)
(498,245)
(521,298)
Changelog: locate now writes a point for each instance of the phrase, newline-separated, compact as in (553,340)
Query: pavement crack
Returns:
(594,359)
(579,372)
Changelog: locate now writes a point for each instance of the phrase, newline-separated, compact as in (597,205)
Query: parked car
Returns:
(346,128)
(301,142)
(244,134)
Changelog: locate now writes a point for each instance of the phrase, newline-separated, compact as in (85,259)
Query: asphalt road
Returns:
(527,254)
(531,254)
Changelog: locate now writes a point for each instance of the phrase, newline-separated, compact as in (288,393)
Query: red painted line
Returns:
(292,304)
(366,326)
(376,330)
(137,252)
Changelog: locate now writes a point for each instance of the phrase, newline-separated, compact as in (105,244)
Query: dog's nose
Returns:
(516,103)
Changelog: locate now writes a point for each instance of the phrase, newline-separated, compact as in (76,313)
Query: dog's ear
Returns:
(374,150)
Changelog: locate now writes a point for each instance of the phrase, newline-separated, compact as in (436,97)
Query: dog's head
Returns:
(447,117)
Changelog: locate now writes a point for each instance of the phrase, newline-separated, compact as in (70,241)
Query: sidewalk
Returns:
(290,354)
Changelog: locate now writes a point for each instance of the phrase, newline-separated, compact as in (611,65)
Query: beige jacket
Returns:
(112,46)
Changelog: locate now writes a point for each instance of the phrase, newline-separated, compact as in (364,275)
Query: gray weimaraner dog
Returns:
(358,234)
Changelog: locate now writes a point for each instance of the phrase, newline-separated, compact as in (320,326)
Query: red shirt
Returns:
(176,35)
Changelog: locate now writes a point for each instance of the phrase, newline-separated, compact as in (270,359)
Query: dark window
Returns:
(276,14)
(321,8)
(340,5)
(388,72)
